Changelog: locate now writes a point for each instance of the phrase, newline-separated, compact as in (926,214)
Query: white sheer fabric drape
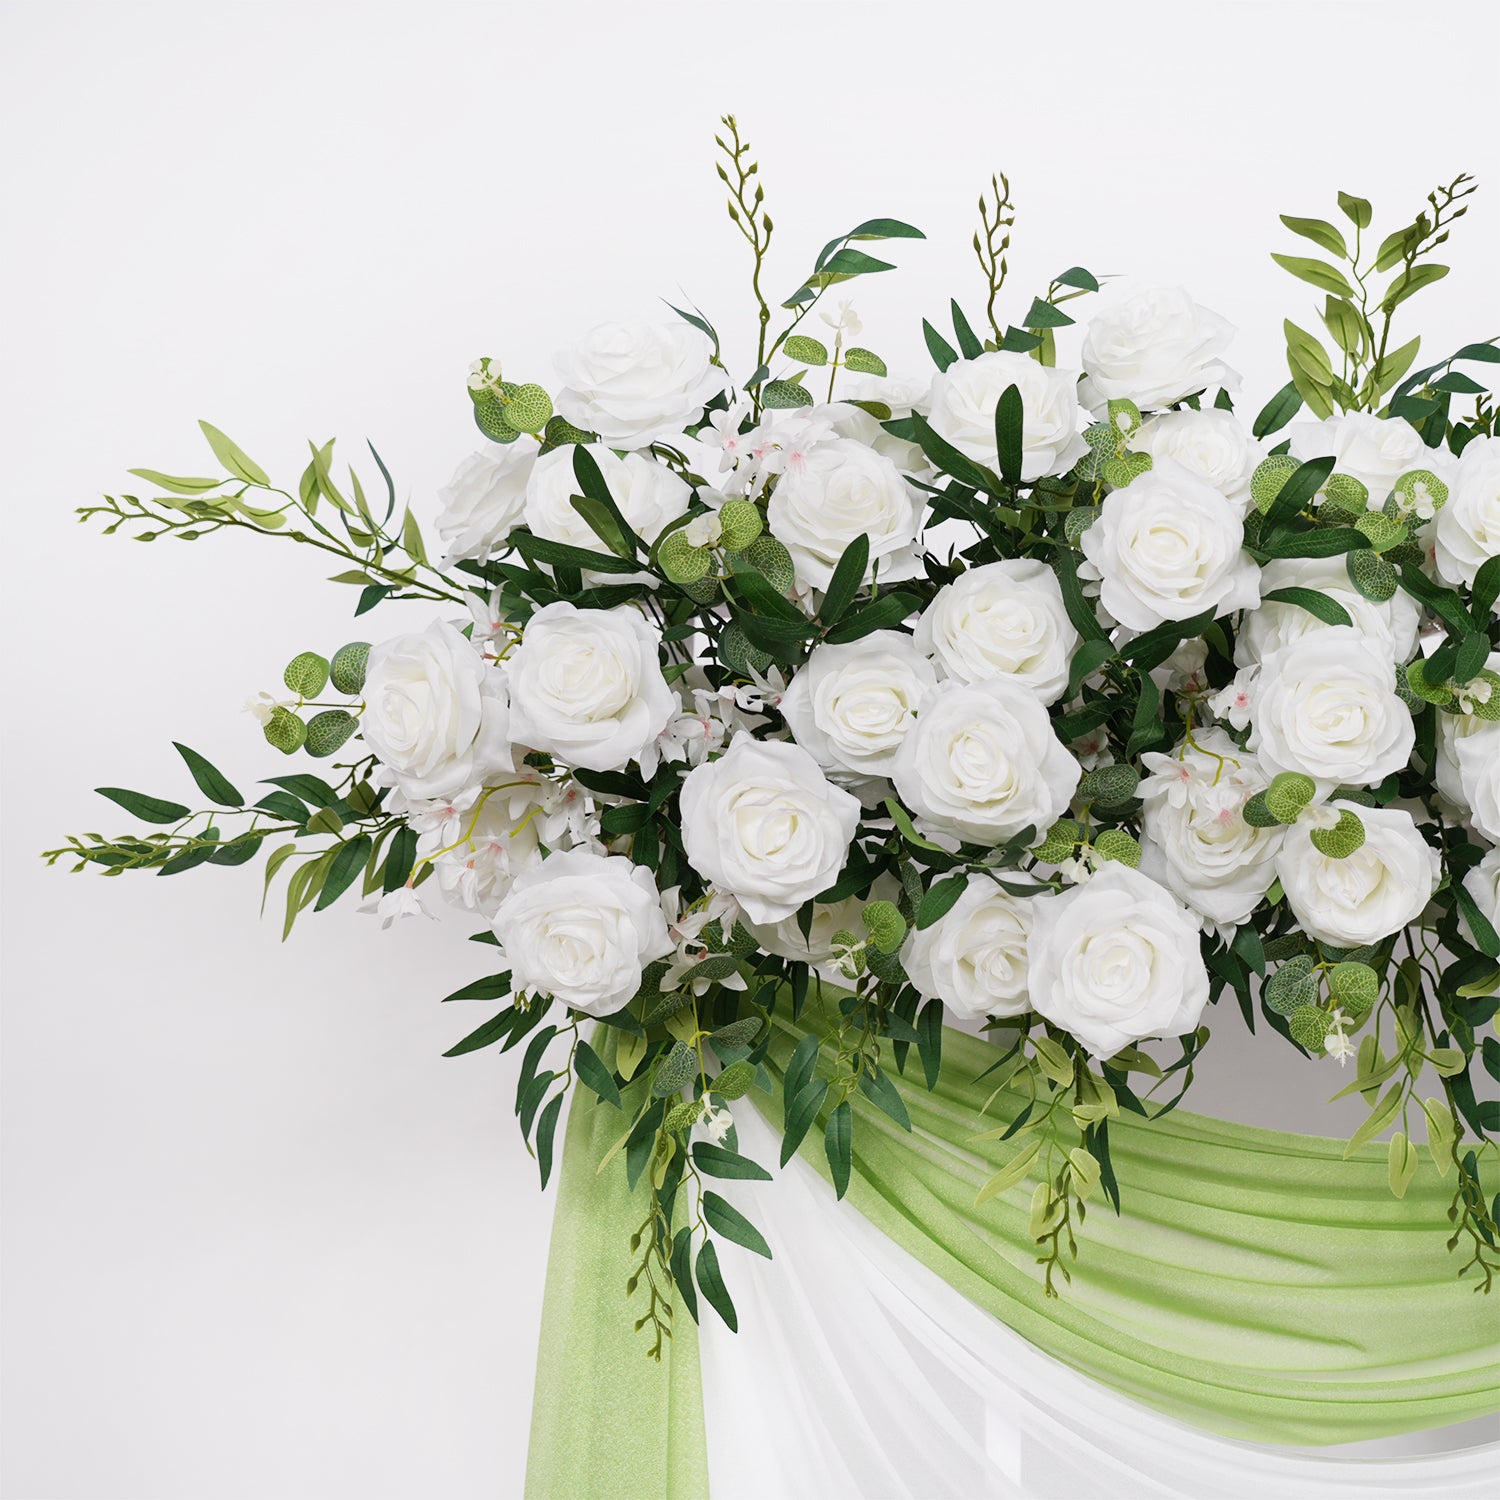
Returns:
(859,1374)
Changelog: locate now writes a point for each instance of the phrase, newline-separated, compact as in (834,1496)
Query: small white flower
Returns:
(716,1123)
(1337,1044)
(487,615)
(704,530)
(845,323)
(393,905)
(262,707)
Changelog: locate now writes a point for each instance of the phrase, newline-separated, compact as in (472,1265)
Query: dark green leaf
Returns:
(930,1040)
(968,341)
(682,1269)
(711,1282)
(400,859)
(943,353)
(560,554)
(1329,611)
(346,866)
(800,1115)
(1045,315)
(848,575)
(1278,411)
(724,1217)
(593,1074)
(546,1129)
(716,1161)
(1298,491)
(838,1143)
(211,782)
(147,809)
(940,899)
(491,987)
(884,614)
(483,1036)
(885,1096)
(1010,420)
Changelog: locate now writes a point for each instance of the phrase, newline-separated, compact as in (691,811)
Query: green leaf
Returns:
(838,1143)
(594,1075)
(1409,285)
(1076,276)
(347,864)
(711,1283)
(1298,491)
(724,1217)
(211,782)
(1401,1163)
(234,458)
(930,1040)
(411,537)
(902,820)
(800,1115)
(147,809)
(1320,232)
(848,576)
(884,1095)
(1381,1116)
(1087,660)
(682,1269)
(860,361)
(884,613)
(546,1131)
(968,341)
(176,484)
(1045,315)
(940,899)
(806,351)
(1012,1172)
(561,554)
(329,731)
(1278,411)
(306,674)
(1010,418)
(1316,273)
(1486,590)
(1329,611)
(943,353)
(483,1036)
(716,1161)
(1357,210)
(784,394)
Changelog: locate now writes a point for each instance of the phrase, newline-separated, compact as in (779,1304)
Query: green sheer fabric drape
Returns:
(608,1423)
(1256,1283)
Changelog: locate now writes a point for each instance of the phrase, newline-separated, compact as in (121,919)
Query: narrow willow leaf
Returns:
(711,1284)
(234,458)
(1009,425)
(717,1161)
(347,862)
(724,1217)
(1329,611)
(147,809)
(803,1112)
(1401,1163)
(930,1041)
(940,899)
(1011,1173)
(682,1269)
(885,1096)
(1381,1116)
(838,1143)
(594,1075)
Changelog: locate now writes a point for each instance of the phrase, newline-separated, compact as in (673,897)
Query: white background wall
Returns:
(261,1240)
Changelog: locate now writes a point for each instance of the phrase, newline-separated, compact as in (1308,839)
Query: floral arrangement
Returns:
(1067,703)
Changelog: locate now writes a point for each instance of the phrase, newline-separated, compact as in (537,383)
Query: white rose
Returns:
(1003,619)
(586,685)
(1210,444)
(1274,624)
(1483,884)
(1167,547)
(1452,731)
(1385,884)
(1116,960)
(852,705)
(635,382)
(1466,534)
(436,712)
(1155,347)
(1478,757)
(650,496)
(785,939)
(1326,705)
(765,825)
(983,763)
(849,421)
(904,394)
(962,410)
(482,503)
(1377,451)
(1194,837)
(973,958)
(582,927)
(838,490)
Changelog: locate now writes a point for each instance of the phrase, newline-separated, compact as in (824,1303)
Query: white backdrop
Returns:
(261,1240)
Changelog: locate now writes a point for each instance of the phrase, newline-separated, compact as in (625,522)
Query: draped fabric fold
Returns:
(607,1421)
(1256,1283)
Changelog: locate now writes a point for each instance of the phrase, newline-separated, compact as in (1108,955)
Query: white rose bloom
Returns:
(649,494)
(839,490)
(1452,731)
(1194,837)
(1210,444)
(1466,533)
(1274,624)
(635,382)
(586,685)
(904,394)
(1386,883)
(1155,347)
(1003,619)
(973,958)
(785,940)
(1483,884)
(1167,547)
(852,705)
(1478,757)
(582,927)
(962,410)
(436,713)
(1377,451)
(1326,705)
(855,422)
(983,763)
(483,502)
(1116,960)
(765,825)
